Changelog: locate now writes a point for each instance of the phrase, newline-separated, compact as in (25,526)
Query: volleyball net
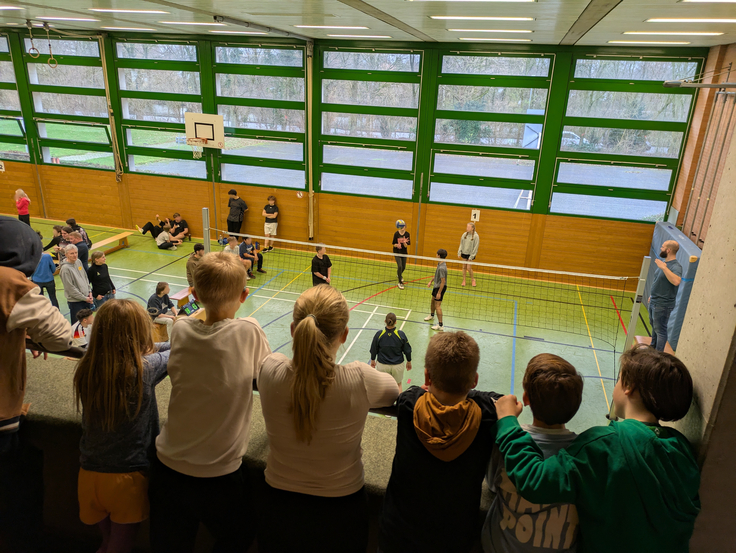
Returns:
(522,298)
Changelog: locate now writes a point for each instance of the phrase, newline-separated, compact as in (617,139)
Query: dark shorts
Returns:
(465,256)
(442,294)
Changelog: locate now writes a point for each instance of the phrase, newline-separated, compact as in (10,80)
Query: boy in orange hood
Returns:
(444,441)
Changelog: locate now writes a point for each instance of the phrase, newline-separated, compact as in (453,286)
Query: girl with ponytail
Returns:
(315,411)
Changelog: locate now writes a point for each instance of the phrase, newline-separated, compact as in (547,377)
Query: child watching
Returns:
(43,277)
(248,251)
(444,440)
(164,241)
(198,474)
(231,246)
(81,329)
(271,213)
(99,277)
(161,308)
(22,201)
(553,390)
(237,207)
(115,384)
(634,481)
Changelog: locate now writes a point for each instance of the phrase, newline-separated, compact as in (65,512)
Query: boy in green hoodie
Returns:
(634,482)
(444,439)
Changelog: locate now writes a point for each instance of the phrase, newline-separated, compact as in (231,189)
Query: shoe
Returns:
(438,328)
(429,318)
(261,271)
(173,248)
(251,275)
(400,286)
(269,249)
(139,229)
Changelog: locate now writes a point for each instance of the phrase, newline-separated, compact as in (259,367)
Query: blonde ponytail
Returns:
(320,316)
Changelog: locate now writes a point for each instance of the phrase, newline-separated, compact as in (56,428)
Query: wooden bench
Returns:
(647,340)
(181,297)
(121,239)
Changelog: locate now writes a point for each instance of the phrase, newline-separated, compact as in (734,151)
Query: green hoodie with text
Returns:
(635,485)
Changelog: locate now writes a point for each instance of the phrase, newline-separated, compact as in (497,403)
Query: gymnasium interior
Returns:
(577,136)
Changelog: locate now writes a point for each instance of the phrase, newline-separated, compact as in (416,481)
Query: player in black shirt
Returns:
(400,244)
(321,267)
(271,213)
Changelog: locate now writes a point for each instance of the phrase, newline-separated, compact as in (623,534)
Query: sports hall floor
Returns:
(506,345)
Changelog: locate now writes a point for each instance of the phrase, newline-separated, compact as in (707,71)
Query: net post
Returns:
(206,229)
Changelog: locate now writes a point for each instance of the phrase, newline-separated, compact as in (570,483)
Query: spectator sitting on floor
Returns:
(164,241)
(179,228)
(231,246)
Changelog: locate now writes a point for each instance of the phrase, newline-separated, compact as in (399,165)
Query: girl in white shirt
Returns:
(315,411)
(468,249)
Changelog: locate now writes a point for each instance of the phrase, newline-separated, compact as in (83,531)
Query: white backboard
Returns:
(203,125)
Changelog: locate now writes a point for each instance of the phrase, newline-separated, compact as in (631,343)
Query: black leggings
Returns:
(400,267)
(155,230)
(50,288)
(25,218)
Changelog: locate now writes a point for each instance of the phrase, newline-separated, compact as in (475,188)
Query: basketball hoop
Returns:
(197,145)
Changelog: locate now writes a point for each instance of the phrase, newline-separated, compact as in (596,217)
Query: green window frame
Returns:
(13,141)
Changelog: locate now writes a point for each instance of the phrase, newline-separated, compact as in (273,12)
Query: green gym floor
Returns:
(507,344)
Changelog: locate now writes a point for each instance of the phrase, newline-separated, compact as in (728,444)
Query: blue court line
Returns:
(277,318)
(513,351)
(599,377)
(269,280)
(281,346)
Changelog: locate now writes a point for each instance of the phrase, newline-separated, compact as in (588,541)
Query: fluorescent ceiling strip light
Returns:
(711,1)
(359,36)
(485,0)
(65,19)
(490,31)
(11,8)
(127,29)
(329,27)
(112,10)
(671,20)
(645,42)
(496,39)
(192,23)
(239,32)
(479,18)
(684,33)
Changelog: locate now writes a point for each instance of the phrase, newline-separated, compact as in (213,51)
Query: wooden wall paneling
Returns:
(594,246)
(90,196)
(19,175)
(536,237)
(293,211)
(126,214)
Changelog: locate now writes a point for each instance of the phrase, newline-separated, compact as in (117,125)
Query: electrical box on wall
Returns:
(475,215)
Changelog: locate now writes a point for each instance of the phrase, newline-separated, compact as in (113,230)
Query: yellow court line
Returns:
(593,346)
(282,289)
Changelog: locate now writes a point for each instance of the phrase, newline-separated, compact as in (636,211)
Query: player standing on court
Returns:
(438,290)
(468,249)
(400,243)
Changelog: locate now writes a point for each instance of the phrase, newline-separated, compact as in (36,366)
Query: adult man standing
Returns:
(76,284)
(82,249)
(238,207)
(667,278)
(192,262)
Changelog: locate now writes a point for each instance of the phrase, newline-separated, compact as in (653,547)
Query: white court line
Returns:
(357,335)
(146,272)
(405,319)
(293,301)
(392,308)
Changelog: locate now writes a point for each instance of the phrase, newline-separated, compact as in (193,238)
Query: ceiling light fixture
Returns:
(673,33)
(490,31)
(328,27)
(670,20)
(645,42)
(488,0)
(111,10)
(192,23)
(127,29)
(711,1)
(470,39)
(239,32)
(11,8)
(359,36)
(66,19)
(479,18)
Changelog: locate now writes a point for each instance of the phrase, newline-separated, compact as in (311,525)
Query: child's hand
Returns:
(508,406)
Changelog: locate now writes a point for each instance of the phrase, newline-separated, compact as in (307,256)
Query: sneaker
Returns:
(269,249)
(400,286)
(251,275)
(139,229)
(439,328)
(429,318)
(261,271)
(173,248)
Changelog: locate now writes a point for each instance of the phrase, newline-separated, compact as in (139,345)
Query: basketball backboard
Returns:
(205,126)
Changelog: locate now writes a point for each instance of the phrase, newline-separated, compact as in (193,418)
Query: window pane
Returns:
(369,126)
(157,139)
(248,174)
(368,157)
(465,194)
(7,73)
(70,104)
(78,158)
(60,131)
(605,206)
(195,169)
(262,87)
(259,56)
(14,152)
(9,100)
(639,106)
(370,93)
(10,127)
(157,51)
(368,61)
(625,142)
(367,186)
(158,110)
(481,65)
(635,69)
(66,75)
(267,149)
(492,99)
(4,44)
(150,80)
(247,117)
(87,48)
(497,167)
(643,178)
(488,133)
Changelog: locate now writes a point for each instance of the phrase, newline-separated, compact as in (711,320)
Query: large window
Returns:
(69,104)
(370,109)
(260,93)
(159,82)
(488,129)
(622,138)
(13,145)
